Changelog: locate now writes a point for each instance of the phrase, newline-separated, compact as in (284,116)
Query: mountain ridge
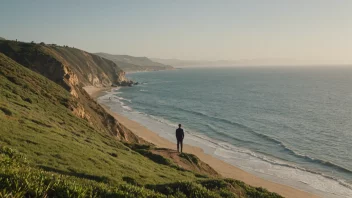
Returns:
(131,63)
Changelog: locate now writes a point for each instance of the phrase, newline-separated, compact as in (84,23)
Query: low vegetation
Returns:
(19,179)
(47,151)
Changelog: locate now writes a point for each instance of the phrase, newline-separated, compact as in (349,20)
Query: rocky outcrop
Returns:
(122,80)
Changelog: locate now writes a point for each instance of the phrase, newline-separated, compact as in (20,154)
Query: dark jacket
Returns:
(180,134)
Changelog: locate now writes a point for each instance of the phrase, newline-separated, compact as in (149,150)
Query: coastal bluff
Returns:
(73,69)
(56,136)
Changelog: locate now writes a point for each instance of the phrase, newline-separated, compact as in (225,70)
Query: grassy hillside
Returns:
(2,38)
(131,63)
(73,68)
(36,121)
(45,150)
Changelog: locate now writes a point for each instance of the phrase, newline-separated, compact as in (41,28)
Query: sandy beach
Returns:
(95,92)
(225,169)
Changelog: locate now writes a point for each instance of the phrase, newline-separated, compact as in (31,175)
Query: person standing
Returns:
(179,136)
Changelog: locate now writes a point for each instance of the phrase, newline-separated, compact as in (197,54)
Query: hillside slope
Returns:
(131,63)
(72,69)
(36,120)
(62,155)
(56,62)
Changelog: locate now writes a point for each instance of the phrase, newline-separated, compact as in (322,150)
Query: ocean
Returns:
(291,125)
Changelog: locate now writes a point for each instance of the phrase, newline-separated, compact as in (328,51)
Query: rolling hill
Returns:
(131,63)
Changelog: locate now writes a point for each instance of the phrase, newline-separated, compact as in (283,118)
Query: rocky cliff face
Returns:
(73,69)
(65,65)
(89,68)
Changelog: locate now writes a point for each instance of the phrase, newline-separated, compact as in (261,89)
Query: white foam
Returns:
(111,99)
(279,172)
(127,107)
(121,98)
(263,166)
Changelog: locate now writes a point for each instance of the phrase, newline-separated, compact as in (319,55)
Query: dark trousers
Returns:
(179,142)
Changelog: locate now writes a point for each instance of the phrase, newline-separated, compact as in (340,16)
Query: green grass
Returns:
(190,157)
(45,150)
(19,179)
(54,139)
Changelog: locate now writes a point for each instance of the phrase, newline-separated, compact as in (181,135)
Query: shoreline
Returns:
(223,168)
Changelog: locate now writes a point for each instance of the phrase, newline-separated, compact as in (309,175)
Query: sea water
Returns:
(285,124)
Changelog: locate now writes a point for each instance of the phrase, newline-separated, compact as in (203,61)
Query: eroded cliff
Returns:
(73,69)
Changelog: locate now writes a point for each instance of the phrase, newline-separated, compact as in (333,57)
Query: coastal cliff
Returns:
(73,69)
(66,66)
(56,141)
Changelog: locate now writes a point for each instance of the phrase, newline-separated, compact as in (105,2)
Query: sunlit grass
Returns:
(45,150)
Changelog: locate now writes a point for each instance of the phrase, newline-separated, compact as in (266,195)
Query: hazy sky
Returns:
(210,30)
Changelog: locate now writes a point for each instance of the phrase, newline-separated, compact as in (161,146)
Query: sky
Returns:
(313,30)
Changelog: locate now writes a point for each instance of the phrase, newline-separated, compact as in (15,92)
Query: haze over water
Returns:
(260,119)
